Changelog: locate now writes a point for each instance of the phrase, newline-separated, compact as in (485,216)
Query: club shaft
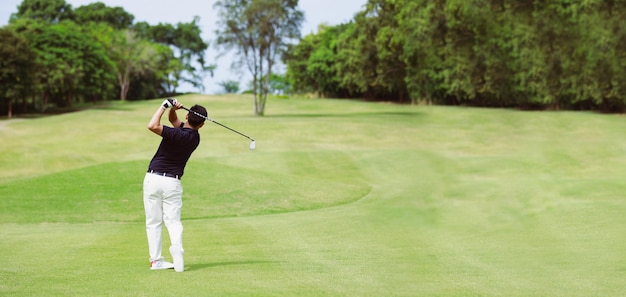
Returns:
(213,121)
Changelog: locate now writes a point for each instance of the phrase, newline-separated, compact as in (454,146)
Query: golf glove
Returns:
(169,102)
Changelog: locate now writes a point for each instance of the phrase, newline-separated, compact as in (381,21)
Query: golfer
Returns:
(162,188)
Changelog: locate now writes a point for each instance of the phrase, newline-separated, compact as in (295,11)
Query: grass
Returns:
(340,198)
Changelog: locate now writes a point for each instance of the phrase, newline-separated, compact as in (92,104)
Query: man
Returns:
(162,188)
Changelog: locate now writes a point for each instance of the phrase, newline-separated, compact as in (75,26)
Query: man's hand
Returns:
(172,114)
(177,105)
(169,102)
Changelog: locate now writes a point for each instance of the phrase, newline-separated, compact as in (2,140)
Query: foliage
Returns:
(259,32)
(48,11)
(312,64)
(527,54)
(187,44)
(134,58)
(278,84)
(95,52)
(16,67)
(229,86)
(504,53)
(69,62)
(98,12)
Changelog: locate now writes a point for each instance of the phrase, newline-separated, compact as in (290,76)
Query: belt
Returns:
(176,176)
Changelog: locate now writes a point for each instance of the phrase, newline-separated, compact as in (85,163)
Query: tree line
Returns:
(558,54)
(54,56)
(531,54)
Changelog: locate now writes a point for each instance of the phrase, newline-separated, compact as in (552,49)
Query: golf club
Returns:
(252,143)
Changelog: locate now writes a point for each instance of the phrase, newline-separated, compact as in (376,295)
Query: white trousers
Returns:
(162,200)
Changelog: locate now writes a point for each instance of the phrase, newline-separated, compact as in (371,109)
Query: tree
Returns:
(186,41)
(99,80)
(279,84)
(133,57)
(67,59)
(297,60)
(98,12)
(49,11)
(230,86)
(157,81)
(423,25)
(356,59)
(259,31)
(311,65)
(380,24)
(16,67)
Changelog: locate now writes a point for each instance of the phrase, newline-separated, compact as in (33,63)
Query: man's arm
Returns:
(155,122)
(173,117)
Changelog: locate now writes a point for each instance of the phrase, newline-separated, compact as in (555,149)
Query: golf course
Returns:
(339,198)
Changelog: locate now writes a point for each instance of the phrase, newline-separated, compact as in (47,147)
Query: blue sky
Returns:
(332,12)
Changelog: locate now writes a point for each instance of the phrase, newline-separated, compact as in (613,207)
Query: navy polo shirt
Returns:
(176,147)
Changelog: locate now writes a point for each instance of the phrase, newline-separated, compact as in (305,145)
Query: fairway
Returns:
(340,198)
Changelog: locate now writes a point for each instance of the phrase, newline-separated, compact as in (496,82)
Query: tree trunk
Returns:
(124,81)
(24,104)
(124,91)
(256,105)
(45,101)
(255,94)
(265,88)
(10,113)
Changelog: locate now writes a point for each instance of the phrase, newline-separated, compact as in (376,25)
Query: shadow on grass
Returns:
(120,107)
(226,263)
(105,105)
(347,115)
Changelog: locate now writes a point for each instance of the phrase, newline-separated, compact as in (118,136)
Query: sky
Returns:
(331,12)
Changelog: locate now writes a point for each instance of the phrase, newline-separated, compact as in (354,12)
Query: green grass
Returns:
(340,198)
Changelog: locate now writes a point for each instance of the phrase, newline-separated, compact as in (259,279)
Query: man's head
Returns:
(195,120)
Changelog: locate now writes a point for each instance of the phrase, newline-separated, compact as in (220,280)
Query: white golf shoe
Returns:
(160,265)
(177,254)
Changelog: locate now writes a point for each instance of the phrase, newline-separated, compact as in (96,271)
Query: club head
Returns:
(252,145)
